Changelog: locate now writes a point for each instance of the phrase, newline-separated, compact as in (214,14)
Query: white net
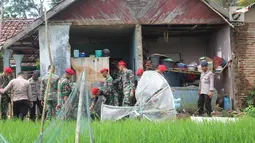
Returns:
(154,101)
(2,139)
(75,111)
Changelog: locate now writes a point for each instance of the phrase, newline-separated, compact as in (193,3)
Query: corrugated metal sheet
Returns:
(105,12)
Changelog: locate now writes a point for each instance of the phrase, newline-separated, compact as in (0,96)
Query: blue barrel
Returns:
(226,103)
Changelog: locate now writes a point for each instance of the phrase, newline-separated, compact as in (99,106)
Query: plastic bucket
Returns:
(76,53)
(98,53)
(226,103)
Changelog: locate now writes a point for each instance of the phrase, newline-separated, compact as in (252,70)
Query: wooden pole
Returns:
(82,86)
(49,79)
(1,20)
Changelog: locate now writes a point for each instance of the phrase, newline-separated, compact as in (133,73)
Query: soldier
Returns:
(117,82)
(101,92)
(128,83)
(64,87)
(108,88)
(5,78)
(139,73)
(51,101)
(161,69)
(36,98)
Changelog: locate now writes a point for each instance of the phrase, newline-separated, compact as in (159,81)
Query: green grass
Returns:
(134,131)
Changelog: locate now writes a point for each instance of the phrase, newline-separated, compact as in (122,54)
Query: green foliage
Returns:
(25,8)
(134,131)
(37,64)
(250,111)
(246,2)
(250,98)
(21,9)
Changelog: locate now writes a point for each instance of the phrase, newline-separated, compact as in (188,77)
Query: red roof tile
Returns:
(11,27)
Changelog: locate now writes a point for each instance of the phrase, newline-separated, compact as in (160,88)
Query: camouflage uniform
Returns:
(117,82)
(109,96)
(5,98)
(128,84)
(64,89)
(51,101)
(109,92)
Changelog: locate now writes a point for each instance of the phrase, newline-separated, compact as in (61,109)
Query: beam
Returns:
(18,60)
(22,48)
(6,57)
(37,23)
(139,46)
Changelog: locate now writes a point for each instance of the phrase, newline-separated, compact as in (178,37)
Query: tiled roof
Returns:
(11,27)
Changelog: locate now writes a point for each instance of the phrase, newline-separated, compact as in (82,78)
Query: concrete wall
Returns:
(219,45)
(191,48)
(249,16)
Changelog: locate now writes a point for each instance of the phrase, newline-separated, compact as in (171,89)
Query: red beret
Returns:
(69,71)
(94,90)
(8,70)
(162,68)
(103,70)
(121,63)
(139,71)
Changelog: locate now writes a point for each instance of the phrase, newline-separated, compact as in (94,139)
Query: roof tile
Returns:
(11,27)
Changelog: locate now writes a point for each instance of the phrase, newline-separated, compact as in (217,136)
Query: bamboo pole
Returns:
(82,86)
(49,78)
(87,109)
(1,20)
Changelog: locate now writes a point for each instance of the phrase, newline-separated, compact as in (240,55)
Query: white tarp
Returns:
(59,45)
(154,100)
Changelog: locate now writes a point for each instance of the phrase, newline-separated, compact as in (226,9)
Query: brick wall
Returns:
(243,61)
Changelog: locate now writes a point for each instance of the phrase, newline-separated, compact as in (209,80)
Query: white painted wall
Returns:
(191,48)
(219,44)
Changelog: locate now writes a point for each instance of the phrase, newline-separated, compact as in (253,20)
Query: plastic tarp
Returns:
(154,101)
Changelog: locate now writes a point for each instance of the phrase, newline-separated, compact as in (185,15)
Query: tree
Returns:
(246,2)
(22,8)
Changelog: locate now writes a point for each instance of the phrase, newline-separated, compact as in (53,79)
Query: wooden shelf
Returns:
(187,72)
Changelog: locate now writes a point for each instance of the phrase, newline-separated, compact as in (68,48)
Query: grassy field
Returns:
(133,131)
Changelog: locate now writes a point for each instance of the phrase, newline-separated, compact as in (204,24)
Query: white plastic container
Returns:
(76,53)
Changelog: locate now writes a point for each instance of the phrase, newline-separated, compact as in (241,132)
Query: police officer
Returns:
(205,90)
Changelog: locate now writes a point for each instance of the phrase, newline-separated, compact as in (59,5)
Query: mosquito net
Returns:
(154,101)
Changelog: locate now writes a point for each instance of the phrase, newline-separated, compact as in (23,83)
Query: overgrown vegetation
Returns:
(250,109)
(134,131)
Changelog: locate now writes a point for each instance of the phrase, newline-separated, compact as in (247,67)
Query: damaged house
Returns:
(133,30)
